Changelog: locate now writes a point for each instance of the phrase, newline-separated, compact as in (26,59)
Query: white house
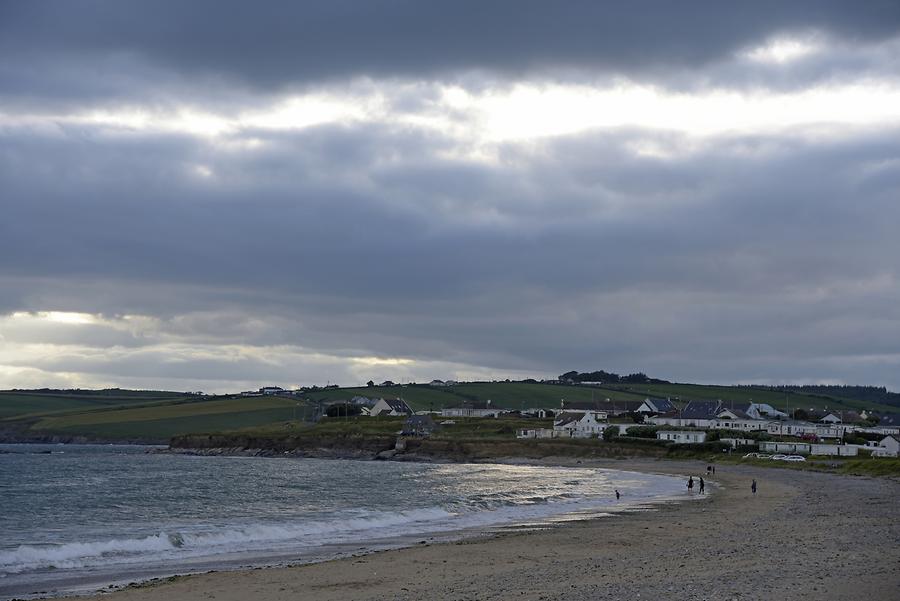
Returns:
(887,447)
(589,424)
(391,407)
(681,436)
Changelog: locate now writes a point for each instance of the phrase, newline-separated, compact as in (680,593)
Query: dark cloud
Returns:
(115,50)
(742,256)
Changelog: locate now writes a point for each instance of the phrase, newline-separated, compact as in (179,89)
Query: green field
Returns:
(14,403)
(162,421)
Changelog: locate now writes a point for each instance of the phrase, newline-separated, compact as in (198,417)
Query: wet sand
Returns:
(804,535)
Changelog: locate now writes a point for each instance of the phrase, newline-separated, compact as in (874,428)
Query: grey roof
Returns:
(663,405)
(567,418)
(611,407)
(738,413)
(889,419)
(398,405)
(701,410)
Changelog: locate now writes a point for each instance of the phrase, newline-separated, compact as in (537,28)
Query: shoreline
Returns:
(805,535)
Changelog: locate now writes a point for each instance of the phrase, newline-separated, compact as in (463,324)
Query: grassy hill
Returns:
(158,416)
(507,395)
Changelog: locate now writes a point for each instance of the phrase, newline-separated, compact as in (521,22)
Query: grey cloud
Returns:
(744,249)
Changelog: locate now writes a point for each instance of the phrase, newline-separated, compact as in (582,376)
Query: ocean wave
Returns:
(207,542)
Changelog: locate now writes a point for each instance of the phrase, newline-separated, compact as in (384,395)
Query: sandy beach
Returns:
(803,535)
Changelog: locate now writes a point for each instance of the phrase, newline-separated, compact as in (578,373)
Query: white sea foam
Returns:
(206,542)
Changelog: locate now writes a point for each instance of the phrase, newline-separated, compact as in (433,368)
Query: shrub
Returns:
(642,431)
(610,432)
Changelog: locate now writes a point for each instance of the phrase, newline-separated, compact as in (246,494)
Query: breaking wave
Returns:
(165,545)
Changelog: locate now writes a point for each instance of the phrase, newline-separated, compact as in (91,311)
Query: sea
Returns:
(80,518)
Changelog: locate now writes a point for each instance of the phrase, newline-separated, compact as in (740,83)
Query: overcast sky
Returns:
(223,195)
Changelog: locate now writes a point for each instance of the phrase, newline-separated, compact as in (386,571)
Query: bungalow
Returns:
(793,448)
(536,433)
(834,450)
(391,407)
(798,428)
(739,442)
(681,436)
(588,424)
(473,409)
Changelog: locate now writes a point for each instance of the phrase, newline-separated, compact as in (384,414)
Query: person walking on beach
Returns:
(753,486)
(617,494)
(708,470)
(702,485)
(690,483)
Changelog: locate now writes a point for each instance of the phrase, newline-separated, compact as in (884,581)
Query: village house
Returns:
(587,424)
(718,415)
(391,407)
(681,436)
(889,446)
(473,409)
(608,408)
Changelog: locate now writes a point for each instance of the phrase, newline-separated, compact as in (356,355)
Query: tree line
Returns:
(608,377)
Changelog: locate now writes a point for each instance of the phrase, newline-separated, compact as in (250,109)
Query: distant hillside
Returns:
(158,416)
(868,394)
